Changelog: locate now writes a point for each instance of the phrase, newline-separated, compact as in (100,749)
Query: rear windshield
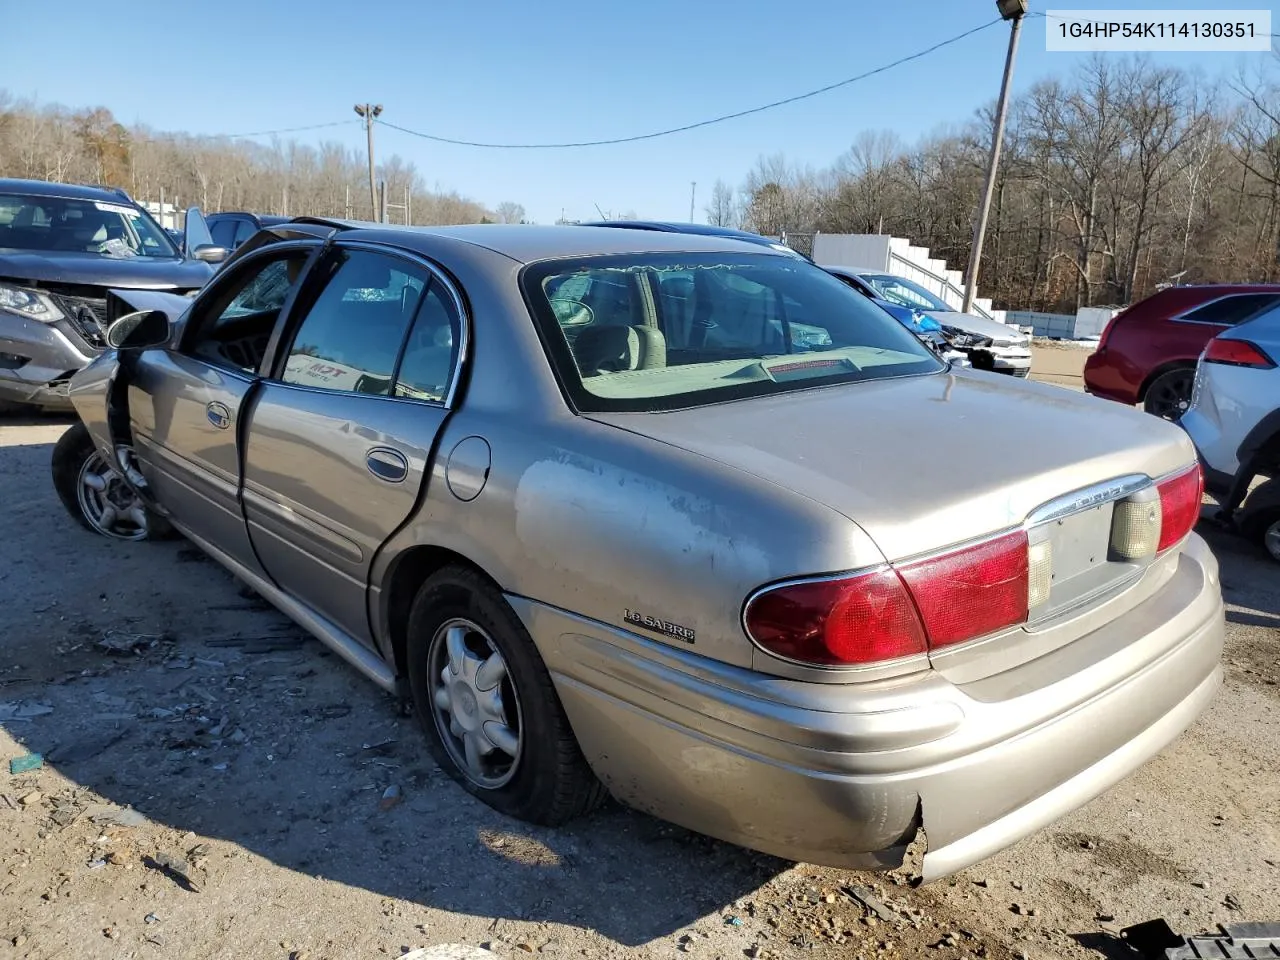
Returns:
(61,225)
(648,332)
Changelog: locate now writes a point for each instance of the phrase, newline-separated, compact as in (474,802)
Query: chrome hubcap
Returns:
(1271,540)
(476,709)
(108,503)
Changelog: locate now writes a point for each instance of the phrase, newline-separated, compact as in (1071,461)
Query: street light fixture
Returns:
(1013,10)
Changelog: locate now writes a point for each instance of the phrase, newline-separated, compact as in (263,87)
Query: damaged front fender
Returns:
(100,391)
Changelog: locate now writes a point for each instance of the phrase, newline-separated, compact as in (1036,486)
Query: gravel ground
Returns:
(216,787)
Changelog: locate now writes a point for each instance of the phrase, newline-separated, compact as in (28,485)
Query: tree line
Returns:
(1113,180)
(52,142)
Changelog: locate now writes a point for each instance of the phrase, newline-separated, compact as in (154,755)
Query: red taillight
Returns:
(1238,353)
(1180,498)
(973,591)
(851,620)
(887,614)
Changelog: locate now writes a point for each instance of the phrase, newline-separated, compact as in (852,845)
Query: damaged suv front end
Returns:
(62,248)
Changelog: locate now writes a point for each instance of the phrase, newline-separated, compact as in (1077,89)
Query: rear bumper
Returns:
(36,360)
(1103,378)
(846,774)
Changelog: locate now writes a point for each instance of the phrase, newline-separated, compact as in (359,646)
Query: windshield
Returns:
(904,292)
(61,225)
(647,332)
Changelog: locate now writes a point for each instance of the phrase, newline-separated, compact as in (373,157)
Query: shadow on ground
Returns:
(215,715)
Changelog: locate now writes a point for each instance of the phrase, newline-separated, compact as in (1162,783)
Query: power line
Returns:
(174,137)
(267,133)
(701,123)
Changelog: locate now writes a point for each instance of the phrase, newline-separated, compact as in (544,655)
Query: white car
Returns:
(1234,421)
(989,344)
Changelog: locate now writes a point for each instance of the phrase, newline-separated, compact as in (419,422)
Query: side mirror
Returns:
(139,331)
(210,253)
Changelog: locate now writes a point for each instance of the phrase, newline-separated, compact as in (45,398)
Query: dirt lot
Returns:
(1059,362)
(217,791)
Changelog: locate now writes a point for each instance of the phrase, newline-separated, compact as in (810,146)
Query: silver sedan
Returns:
(583,498)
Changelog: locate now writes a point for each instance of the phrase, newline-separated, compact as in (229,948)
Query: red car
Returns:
(1148,352)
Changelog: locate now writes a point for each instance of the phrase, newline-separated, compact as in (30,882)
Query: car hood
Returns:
(91,269)
(924,462)
(979,325)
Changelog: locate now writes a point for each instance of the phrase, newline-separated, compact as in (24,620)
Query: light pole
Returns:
(368,112)
(693,192)
(1013,10)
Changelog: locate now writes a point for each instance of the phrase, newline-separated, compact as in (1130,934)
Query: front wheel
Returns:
(1169,395)
(487,705)
(95,493)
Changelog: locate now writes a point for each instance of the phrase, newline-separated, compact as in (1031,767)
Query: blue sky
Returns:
(493,70)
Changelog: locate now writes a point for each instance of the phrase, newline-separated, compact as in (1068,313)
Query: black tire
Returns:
(1169,394)
(71,451)
(552,782)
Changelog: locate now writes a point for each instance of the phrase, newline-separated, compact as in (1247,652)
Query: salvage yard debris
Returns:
(25,763)
(120,643)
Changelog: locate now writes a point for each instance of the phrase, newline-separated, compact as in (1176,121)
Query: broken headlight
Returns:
(28,303)
(963,339)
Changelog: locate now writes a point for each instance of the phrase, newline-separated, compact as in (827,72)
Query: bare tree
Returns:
(509,212)
(51,143)
(722,211)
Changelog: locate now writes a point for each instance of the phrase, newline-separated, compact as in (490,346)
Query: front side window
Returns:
(351,335)
(60,225)
(661,331)
(234,321)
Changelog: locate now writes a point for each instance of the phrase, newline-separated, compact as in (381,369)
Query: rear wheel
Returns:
(487,705)
(95,493)
(1169,394)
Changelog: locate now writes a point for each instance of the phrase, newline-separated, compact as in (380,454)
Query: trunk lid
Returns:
(923,463)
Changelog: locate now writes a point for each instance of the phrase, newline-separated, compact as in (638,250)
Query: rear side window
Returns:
(1231,310)
(351,335)
(426,369)
(647,332)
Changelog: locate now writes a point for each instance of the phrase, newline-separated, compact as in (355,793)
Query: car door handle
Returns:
(387,464)
(219,415)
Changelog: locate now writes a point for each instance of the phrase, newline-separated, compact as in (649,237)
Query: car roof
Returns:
(526,243)
(266,219)
(65,191)
(667,226)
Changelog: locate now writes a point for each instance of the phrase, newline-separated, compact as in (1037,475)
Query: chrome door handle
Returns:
(387,464)
(219,414)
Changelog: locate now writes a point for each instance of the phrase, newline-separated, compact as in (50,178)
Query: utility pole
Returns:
(1013,10)
(693,192)
(369,112)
